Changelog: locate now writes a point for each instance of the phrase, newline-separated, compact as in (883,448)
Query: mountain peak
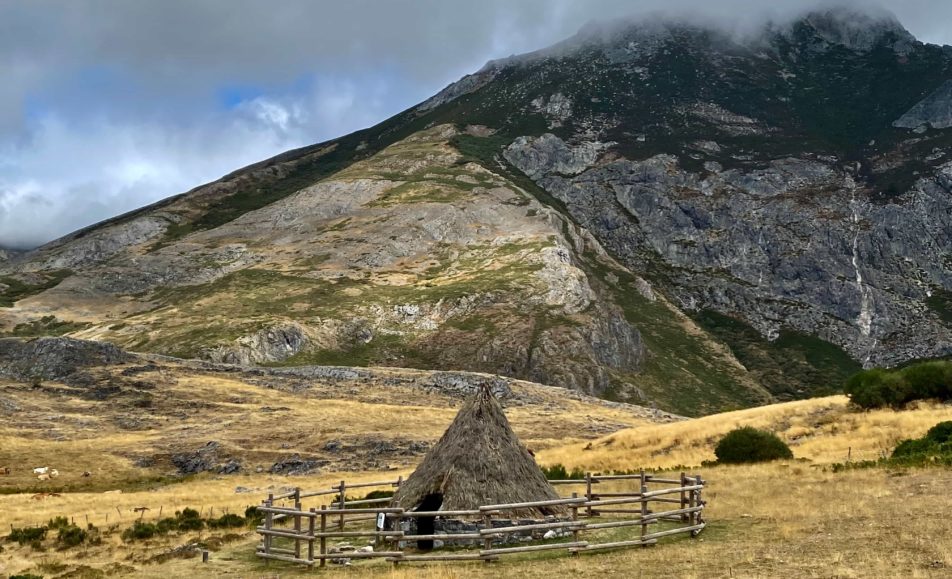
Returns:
(854,28)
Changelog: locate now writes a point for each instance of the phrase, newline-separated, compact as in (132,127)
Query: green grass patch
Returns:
(45,326)
(940,302)
(17,289)
(793,366)
(682,372)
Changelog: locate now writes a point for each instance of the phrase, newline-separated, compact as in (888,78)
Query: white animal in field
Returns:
(54,473)
(43,476)
(41,470)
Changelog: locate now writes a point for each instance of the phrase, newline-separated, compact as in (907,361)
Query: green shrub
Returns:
(70,536)
(747,444)
(166,525)
(139,531)
(941,433)
(27,535)
(878,387)
(189,520)
(229,520)
(190,524)
(254,516)
(57,523)
(559,472)
(936,443)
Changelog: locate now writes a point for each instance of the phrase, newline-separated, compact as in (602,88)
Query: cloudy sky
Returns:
(106,105)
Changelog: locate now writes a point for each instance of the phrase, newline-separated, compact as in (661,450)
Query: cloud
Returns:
(108,105)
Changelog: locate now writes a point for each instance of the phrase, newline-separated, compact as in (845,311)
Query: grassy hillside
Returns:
(821,430)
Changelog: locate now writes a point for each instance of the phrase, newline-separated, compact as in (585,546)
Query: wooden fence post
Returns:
(341,504)
(488,541)
(697,502)
(588,493)
(394,542)
(323,531)
(297,523)
(644,508)
(310,536)
(684,497)
(575,531)
(268,525)
(692,502)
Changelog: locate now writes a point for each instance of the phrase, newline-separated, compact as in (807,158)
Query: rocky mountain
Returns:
(647,211)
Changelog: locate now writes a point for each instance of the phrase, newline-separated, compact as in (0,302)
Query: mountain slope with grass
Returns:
(649,211)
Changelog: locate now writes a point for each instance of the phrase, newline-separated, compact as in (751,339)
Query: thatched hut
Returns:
(478,461)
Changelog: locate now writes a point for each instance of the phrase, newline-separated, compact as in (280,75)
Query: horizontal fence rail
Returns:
(304,533)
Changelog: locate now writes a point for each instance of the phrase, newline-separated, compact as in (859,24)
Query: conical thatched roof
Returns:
(478,461)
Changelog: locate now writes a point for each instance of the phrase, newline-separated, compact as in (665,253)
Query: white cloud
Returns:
(70,174)
(108,105)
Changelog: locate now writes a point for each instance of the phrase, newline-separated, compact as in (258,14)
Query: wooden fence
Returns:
(305,531)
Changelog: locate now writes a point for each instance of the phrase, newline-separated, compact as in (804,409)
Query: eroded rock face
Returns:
(550,154)
(853,272)
(273,344)
(54,358)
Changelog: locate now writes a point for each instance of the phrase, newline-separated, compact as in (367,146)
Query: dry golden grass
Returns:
(253,420)
(823,430)
(792,519)
(764,522)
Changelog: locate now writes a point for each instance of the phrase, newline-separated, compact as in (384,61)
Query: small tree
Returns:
(747,444)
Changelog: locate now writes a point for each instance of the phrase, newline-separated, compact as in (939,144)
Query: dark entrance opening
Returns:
(425,525)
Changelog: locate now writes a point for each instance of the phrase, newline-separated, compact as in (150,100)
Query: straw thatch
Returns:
(479,461)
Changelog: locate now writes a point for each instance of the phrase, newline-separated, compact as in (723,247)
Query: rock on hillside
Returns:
(54,358)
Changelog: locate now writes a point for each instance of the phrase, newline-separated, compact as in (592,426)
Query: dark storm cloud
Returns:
(110,104)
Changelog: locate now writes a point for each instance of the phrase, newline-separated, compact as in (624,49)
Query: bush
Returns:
(27,535)
(190,524)
(254,516)
(189,520)
(745,445)
(229,520)
(57,523)
(878,388)
(559,472)
(70,536)
(937,442)
(166,525)
(139,531)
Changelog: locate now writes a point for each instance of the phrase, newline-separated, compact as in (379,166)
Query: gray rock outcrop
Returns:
(55,358)
(935,110)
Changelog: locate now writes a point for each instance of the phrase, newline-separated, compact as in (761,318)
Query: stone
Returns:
(296,466)
(201,460)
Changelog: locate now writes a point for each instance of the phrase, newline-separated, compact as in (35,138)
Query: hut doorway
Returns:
(425,525)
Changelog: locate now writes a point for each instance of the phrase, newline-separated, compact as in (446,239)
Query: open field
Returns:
(764,521)
(791,519)
(128,430)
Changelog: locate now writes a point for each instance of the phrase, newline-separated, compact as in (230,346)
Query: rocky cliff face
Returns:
(647,211)
(415,256)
